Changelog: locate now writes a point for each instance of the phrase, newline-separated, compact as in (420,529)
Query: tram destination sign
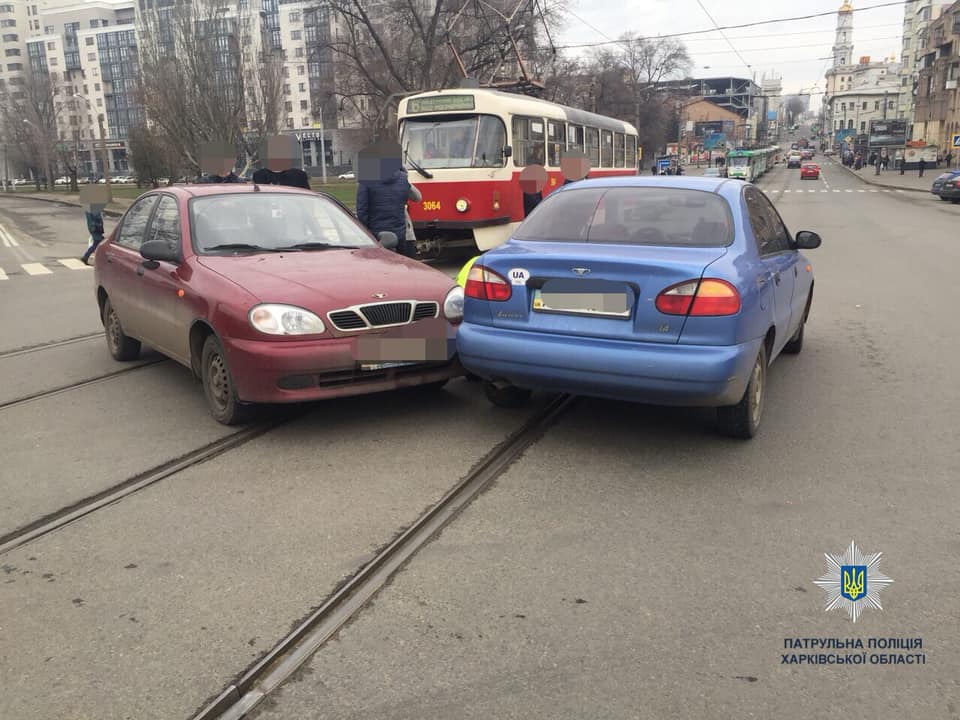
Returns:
(441,103)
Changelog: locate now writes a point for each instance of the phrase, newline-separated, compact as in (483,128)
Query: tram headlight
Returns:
(462,205)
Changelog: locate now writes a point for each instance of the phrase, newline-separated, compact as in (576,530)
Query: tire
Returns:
(121,346)
(955,200)
(218,387)
(943,198)
(506,397)
(743,419)
(470,377)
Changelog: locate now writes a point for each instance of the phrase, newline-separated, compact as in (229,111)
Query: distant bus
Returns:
(465,148)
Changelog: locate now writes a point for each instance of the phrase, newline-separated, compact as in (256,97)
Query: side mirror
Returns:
(388,240)
(507,151)
(158,250)
(807,240)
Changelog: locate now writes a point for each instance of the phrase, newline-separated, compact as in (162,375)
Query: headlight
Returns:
(285,320)
(462,205)
(453,305)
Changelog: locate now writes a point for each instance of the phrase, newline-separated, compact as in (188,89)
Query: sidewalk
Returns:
(114,209)
(910,180)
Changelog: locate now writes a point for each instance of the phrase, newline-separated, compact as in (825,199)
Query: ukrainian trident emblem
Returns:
(853,581)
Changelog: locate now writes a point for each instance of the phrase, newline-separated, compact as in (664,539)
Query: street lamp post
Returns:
(103,146)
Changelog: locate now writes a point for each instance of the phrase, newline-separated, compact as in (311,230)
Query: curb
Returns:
(885,185)
(108,213)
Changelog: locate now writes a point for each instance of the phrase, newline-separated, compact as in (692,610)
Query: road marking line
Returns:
(900,191)
(886,191)
(811,190)
(824,191)
(6,243)
(3,275)
(36,269)
(861,190)
(786,191)
(835,190)
(849,190)
(74,264)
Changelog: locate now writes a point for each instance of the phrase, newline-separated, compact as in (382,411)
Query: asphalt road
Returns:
(632,564)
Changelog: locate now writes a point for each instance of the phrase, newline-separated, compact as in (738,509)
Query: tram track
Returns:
(64,516)
(7,404)
(48,345)
(286,657)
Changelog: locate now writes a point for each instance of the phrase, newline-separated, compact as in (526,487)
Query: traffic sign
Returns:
(956,141)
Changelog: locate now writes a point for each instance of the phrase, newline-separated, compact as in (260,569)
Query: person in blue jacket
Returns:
(383,191)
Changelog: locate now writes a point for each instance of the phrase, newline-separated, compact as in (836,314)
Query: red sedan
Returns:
(809,170)
(272,294)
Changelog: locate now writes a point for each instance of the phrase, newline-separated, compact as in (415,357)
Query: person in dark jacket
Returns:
(94,199)
(533,179)
(574,165)
(923,166)
(383,191)
(292,177)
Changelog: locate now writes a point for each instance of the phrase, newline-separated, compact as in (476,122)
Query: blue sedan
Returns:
(661,290)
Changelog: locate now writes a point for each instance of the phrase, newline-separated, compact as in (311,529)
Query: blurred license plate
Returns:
(558,300)
(384,365)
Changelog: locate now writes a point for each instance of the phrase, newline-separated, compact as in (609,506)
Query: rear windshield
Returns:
(631,216)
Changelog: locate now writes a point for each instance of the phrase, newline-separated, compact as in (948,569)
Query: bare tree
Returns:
(29,114)
(152,155)
(397,47)
(202,79)
(794,106)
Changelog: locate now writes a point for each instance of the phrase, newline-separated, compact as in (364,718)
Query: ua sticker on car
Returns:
(519,276)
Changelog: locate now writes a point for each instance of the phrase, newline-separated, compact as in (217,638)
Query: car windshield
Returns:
(270,221)
(453,141)
(633,216)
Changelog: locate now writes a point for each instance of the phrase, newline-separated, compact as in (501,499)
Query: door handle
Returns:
(776,277)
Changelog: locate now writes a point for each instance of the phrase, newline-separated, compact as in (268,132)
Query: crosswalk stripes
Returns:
(34,269)
(74,264)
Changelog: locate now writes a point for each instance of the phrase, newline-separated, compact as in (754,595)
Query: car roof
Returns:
(726,187)
(204,189)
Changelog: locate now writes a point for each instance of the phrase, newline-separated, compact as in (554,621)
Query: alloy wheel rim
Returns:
(219,381)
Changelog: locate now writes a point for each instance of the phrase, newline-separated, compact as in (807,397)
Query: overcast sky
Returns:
(796,50)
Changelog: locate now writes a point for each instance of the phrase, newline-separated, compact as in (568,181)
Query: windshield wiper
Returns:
(406,155)
(240,246)
(317,246)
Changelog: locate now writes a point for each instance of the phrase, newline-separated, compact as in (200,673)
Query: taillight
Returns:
(485,284)
(699,298)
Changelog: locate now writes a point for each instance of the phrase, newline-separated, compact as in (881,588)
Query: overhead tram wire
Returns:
(796,18)
(732,47)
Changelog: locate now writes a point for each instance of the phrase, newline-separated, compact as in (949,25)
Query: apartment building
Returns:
(936,116)
(89,51)
(917,16)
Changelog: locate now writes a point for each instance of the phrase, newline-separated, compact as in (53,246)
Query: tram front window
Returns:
(456,141)
(738,162)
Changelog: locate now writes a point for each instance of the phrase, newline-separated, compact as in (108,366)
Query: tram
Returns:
(465,148)
(750,165)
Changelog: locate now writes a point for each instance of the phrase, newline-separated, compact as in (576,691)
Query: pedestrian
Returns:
(410,234)
(383,191)
(533,179)
(94,199)
(653,169)
(923,166)
(574,166)
(902,161)
(949,159)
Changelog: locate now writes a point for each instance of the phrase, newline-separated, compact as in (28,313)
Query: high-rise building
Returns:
(917,16)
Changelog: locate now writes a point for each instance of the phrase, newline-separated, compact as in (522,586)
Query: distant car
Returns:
(660,290)
(64,180)
(810,170)
(794,160)
(272,294)
(945,186)
(712,172)
(829,152)
(347,176)
(806,154)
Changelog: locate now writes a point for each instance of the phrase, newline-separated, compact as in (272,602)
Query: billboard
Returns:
(710,127)
(887,132)
(771,115)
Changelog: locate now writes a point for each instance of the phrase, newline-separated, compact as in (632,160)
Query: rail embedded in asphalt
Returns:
(270,672)
(47,345)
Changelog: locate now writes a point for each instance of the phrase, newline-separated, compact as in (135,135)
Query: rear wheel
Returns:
(743,419)
(121,346)
(218,386)
(509,396)
(943,198)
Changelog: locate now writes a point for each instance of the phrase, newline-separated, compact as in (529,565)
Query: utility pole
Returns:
(323,149)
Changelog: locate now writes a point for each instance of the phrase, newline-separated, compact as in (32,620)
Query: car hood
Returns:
(325,280)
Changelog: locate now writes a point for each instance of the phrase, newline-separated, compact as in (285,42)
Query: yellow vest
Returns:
(465,270)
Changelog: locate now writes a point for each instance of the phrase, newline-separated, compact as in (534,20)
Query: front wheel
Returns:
(218,386)
(509,396)
(743,419)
